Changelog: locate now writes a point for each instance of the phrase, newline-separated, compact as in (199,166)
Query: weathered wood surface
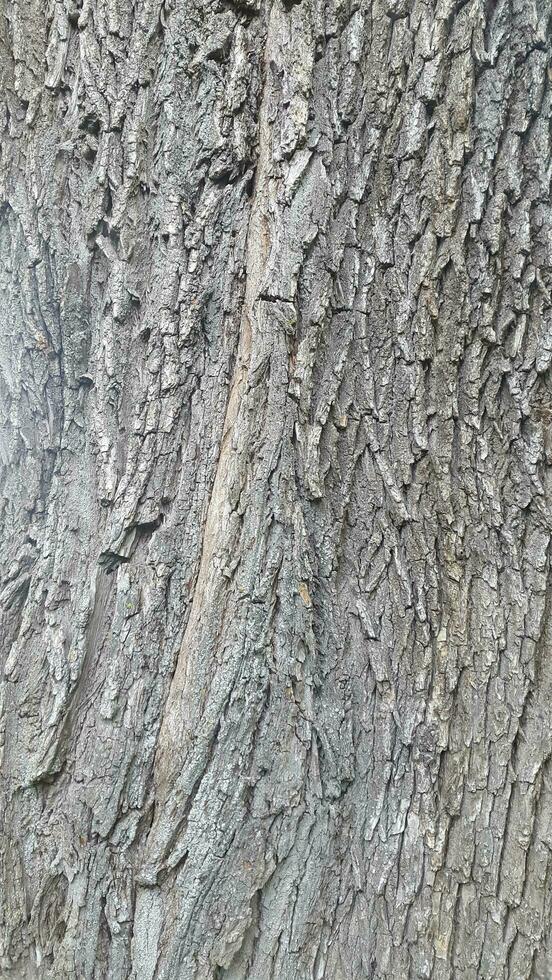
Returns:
(276,435)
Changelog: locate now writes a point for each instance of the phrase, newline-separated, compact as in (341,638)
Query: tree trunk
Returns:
(276,410)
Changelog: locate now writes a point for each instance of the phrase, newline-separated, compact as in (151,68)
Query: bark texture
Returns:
(276,434)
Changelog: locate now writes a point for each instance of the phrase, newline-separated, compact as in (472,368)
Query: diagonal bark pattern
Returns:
(276,449)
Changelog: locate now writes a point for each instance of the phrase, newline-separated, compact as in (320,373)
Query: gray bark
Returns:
(276,413)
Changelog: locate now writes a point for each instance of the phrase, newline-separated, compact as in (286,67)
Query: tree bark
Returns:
(276,413)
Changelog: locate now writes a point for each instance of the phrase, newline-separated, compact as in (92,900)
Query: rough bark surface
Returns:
(276,413)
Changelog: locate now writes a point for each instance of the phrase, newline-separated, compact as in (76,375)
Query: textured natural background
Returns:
(276,450)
